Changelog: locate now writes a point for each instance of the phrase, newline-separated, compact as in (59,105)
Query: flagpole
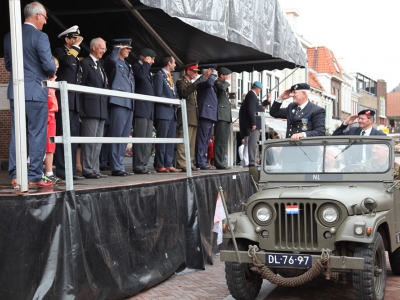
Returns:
(229,225)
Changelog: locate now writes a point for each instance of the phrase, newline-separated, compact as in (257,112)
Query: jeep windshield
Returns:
(328,158)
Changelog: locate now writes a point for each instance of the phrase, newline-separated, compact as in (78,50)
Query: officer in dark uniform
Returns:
(70,70)
(208,112)
(223,125)
(120,110)
(187,90)
(304,119)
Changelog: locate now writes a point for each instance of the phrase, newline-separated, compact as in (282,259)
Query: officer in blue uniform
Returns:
(120,110)
(208,112)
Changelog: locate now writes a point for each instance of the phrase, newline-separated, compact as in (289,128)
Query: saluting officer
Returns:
(223,125)
(187,90)
(304,119)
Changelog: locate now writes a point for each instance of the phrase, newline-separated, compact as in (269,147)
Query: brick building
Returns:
(5,116)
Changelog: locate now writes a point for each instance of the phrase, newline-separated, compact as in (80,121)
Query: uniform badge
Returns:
(304,121)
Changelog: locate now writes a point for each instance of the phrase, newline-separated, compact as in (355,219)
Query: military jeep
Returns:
(323,197)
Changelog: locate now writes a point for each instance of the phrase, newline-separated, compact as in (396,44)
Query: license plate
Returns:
(290,260)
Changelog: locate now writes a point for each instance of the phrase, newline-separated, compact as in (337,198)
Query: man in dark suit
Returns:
(120,110)
(223,125)
(38,66)
(144,111)
(94,108)
(70,71)
(208,113)
(165,115)
(248,122)
(304,119)
(187,90)
(365,121)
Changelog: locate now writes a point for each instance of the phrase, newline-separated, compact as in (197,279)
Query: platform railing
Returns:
(66,139)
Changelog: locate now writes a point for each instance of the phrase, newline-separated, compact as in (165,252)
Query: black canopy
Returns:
(242,35)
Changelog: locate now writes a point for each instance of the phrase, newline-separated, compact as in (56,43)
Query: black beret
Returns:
(148,52)
(367,112)
(209,66)
(300,86)
(224,71)
(122,42)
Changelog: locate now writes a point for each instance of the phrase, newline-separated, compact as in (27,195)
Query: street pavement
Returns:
(210,284)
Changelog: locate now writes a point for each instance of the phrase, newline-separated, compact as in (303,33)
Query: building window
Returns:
(239,90)
(276,88)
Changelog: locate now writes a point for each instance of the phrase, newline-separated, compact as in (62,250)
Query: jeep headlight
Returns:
(262,214)
(329,214)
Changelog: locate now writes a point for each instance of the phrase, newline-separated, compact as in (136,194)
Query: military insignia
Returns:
(304,121)
(295,87)
(78,31)
(293,111)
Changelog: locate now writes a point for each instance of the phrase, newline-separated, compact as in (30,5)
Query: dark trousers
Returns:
(59,154)
(120,126)
(142,127)
(202,139)
(36,125)
(105,148)
(165,152)
(221,136)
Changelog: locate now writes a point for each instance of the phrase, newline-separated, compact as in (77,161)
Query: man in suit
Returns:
(165,115)
(120,110)
(304,119)
(365,121)
(223,125)
(248,122)
(38,66)
(208,113)
(187,90)
(144,111)
(70,71)
(94,108)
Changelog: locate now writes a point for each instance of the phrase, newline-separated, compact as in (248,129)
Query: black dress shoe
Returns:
(104,168)
(224,168)
(76,177)
(102,175)
(120,173)
(147,171)
(92,176)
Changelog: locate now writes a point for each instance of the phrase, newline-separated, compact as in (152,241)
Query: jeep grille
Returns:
(296,231)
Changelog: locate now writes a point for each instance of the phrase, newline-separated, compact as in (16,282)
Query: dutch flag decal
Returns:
(292,209)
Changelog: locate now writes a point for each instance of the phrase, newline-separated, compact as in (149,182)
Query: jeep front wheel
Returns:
(370,283)
(243,283)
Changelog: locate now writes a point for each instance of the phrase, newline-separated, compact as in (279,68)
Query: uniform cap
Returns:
(192,66)
(209,66)
(224,71)
(122,42)
(258,84)
(367,112)
(148,52)
(300,86)
(70,32)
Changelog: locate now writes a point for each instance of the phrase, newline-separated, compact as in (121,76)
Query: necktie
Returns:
(363,132)
(171,83)
(99,68)
(298,109)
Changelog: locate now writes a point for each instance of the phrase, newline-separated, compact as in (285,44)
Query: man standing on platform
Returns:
(94,108)
(304,118)
(38,66)
(70,70)
(223,127)
(187,91)
(208,111)
(165,115)
(144,111)
(120,110)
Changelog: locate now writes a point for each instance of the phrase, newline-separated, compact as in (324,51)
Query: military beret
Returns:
(70,32)
(300,86)
(192,66)
(122,42)
(148,52)
(367,112)
(258,84)
(224,71)
(209,66)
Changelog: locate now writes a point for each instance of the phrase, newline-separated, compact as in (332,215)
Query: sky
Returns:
(363,34)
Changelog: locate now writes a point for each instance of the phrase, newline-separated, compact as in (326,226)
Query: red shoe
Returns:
(161,170)
(41,183)
(172,169)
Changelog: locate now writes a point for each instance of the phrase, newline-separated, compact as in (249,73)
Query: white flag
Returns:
(218,217)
